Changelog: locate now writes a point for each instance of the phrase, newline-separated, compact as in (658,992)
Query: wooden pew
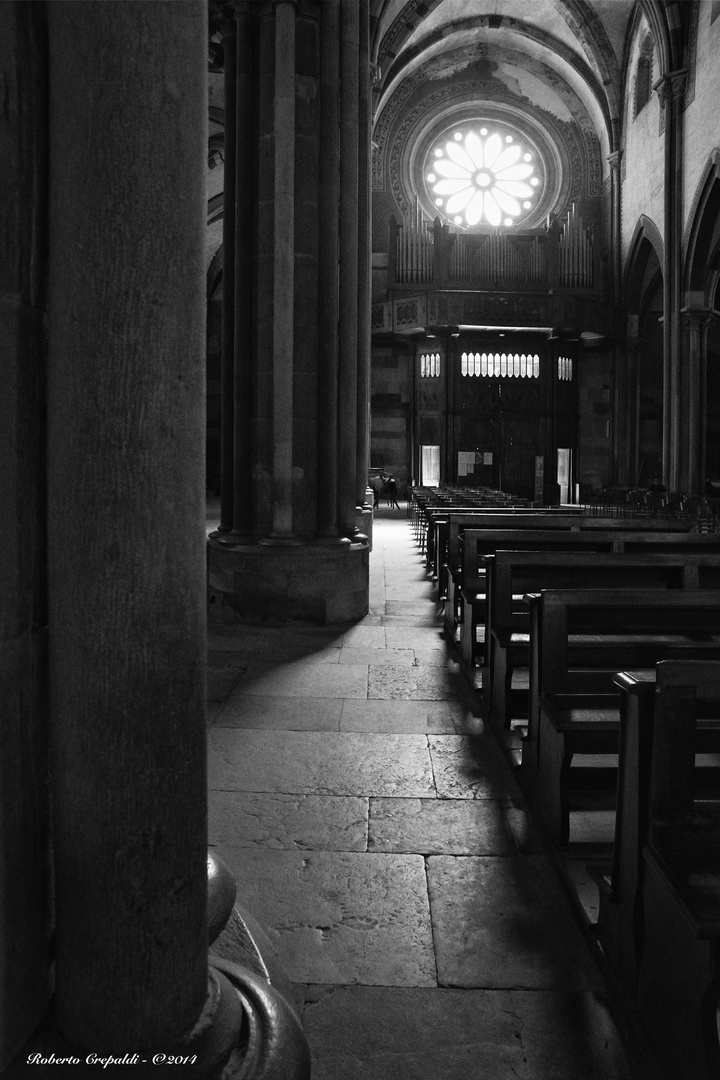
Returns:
(620,918)
(679,979)
(464,577)
(662,536)
(486,542)
(448,544)
(441,544)
(511,574)
(579,639)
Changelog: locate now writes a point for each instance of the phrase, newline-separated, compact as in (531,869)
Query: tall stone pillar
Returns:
(25,879)
(240,405)
(227,371)
(693,472)
(283,272)
(349,265)
(126,529)
(300,554)
(364,261)
(328,255)
(671,90)
(619,470)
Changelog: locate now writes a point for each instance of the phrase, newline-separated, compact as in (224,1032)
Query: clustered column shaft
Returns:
(328,252)
(278,458)
(126,541)
(364,244)
(284,272)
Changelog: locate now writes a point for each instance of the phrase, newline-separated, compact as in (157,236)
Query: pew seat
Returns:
(579,640)
(679,977)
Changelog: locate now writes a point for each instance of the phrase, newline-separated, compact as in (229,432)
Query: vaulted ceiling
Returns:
(551,70)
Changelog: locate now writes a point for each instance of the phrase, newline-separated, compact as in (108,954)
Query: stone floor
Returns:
(377,834)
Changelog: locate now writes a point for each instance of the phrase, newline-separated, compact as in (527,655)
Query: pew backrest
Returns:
(480,542)
(511,574)
(584,636)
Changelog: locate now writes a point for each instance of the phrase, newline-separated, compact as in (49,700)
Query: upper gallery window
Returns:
(643,75)
(480,175)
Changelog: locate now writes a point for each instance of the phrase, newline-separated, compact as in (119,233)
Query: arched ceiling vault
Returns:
(581,41)
(497,43)
(558,64)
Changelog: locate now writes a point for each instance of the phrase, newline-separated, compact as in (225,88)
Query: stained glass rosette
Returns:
(483,177)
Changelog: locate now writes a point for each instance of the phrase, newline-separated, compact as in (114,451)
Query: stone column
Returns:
(348,327)
(328,247)
(305,558)
(696,322)
(632,352)
(227,374)
(25,878)
(245,160)
(126,527)
(284,271)
(615,160)
(364,260)
(671,89)
(619,461)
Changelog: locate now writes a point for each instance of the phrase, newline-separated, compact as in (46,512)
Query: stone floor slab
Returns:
(415,683)
(374,1033)
(505,924)
(398,717)
(340,917)
(436,658)
(470,767)
(419,621)
(365,636)
(274,820)
(237,659)
(289,714)
(422,607)
(439,826)
(320,763)
(414,637)
(300,679)
(221,683)
(399,657)
(396,591)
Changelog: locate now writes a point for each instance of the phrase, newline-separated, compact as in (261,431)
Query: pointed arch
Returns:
(702,236)
(646,242)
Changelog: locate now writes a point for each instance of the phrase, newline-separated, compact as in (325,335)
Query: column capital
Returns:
(614,159)
(698,317)
(293,3)
(671,87)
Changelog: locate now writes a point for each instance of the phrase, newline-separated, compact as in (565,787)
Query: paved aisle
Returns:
(380,839)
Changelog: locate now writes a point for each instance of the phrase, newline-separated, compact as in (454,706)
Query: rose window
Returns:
(481,177)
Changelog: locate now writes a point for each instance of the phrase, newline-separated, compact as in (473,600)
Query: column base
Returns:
(364,521)
(313,584)
(202,1055)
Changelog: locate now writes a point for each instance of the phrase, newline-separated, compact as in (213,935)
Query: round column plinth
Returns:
(308,584)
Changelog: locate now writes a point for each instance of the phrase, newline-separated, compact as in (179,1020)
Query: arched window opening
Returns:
(643,75)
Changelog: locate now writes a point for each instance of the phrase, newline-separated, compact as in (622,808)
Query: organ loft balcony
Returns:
(438,278)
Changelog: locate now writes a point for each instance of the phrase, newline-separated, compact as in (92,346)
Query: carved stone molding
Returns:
(671,87)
